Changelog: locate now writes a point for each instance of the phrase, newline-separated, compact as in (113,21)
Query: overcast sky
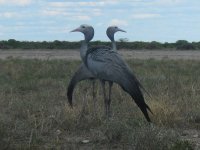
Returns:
(144,20)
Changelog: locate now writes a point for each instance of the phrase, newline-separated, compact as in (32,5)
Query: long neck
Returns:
(114,47)
(84,48)
(112,38)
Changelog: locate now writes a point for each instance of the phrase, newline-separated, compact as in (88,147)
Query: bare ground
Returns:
(74,54)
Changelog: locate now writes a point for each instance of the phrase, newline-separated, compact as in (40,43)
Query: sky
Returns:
(144,20)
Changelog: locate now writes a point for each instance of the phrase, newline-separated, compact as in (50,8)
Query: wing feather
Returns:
(108,65)
(81,74)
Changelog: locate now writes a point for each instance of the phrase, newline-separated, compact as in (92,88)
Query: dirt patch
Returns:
(75,55)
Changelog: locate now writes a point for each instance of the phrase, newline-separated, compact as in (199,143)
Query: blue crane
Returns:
(83,73)
(107,65)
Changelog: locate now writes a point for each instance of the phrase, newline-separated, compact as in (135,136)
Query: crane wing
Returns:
(81,74)
(108,65)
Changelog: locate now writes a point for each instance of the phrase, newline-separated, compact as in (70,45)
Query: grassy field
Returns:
(34,113)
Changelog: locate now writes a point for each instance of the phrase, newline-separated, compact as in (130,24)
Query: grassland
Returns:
(34,113)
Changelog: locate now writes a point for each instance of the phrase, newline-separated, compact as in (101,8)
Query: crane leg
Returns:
(109,97)
(94,97)
(105,98)
(83,105)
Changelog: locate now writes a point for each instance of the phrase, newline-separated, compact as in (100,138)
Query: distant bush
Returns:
(121,44)
(154,45)
(183,44)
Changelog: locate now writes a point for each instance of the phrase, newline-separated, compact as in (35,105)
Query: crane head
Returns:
(87,30)
(111,30)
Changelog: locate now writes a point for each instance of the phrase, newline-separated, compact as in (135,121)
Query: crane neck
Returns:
(114,46)
(112,38)
(83,50)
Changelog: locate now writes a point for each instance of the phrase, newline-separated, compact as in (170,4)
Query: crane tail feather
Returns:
(70,90)
(149,109)
(144,107)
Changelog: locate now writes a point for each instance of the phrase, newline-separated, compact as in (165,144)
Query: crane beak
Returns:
(76,30)
(121,30)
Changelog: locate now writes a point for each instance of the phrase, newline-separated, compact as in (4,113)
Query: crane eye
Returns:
(115,27)
(83,26)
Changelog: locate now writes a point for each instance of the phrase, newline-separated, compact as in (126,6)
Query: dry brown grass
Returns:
(34,113)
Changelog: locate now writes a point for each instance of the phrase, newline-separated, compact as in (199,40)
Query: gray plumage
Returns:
(107,65)
(83,73)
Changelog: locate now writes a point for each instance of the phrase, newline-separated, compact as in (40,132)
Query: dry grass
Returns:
(34,113)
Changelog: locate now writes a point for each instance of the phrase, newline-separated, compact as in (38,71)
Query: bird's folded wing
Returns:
(106,64)
(81,74)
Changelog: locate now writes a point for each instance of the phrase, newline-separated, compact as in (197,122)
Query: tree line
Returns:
(121,44)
